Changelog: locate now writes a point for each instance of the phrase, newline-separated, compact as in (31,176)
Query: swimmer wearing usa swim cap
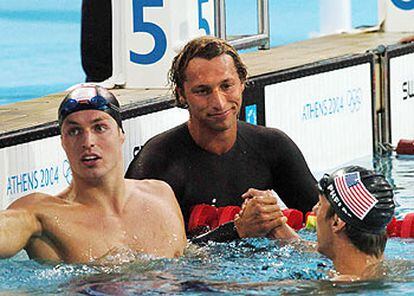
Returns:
(90,97)
(355,205)
(360,197)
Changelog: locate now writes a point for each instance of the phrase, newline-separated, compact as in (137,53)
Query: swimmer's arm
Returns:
(174,218)
(224,233)
(17,226)
(259,215)
(286,234)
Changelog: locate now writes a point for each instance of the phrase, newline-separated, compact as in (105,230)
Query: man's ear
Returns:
(181,96)
(337,224)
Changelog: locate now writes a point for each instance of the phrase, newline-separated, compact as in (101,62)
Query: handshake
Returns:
(259,216)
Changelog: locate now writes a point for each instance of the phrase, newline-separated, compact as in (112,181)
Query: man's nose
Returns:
(315,208)
(88,140)
(218,99)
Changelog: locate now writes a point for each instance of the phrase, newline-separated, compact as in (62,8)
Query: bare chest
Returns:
(89,237)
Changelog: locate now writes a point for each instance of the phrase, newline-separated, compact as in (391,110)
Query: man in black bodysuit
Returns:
(215,159)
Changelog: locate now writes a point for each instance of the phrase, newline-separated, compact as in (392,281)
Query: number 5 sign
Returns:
(404,4)
(397,15)
(147,34)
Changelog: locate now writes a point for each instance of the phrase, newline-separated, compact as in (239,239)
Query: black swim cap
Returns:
(90,97)
(360,197)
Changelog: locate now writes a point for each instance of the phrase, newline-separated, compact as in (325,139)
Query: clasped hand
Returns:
(260,214)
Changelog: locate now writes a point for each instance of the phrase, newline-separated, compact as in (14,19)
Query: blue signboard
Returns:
(251,114)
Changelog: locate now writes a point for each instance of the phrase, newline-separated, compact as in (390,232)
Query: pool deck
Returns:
(37,112)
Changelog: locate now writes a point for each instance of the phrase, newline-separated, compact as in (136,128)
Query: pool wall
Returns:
(398,73)
(327,104)
(41,165)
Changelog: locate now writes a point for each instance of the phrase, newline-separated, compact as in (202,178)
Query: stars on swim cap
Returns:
(360,197)
(354,194)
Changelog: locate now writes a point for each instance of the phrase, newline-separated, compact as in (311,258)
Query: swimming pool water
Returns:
(252,266)
(40,43)
(40,51)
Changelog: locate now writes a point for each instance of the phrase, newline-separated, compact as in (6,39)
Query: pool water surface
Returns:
(251,266)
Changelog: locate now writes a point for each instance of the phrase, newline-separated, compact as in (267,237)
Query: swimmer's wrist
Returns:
(284,232)
(237,229)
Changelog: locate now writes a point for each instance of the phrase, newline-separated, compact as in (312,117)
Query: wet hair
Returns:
(370,244)
(206,47)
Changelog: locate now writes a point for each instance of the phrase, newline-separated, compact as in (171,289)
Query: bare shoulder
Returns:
(32,200)
(151,187)
(155,194)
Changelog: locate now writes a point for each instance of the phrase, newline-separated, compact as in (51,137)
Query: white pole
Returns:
(118,43)
(335,16)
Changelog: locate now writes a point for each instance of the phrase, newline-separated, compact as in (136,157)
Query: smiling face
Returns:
(93,142)
(213,92)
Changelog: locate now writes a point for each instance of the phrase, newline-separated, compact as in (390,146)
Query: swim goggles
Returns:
(323,183)
(97,103)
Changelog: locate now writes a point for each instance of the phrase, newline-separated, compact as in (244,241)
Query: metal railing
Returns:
(261,39)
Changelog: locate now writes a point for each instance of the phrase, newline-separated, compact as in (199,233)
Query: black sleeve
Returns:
(135,169)
(224,233)
(293,180)
(149,163)
(96,39)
